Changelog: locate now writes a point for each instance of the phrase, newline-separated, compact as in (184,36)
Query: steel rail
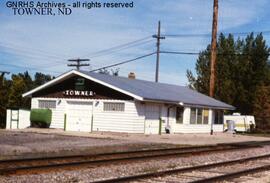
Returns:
(232,175)
(235,145)
(113,153)
(188,169)
(119,159)
(187,151)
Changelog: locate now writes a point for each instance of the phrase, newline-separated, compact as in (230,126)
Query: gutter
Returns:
(189,105)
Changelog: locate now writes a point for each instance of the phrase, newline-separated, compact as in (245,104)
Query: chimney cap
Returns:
(131,75)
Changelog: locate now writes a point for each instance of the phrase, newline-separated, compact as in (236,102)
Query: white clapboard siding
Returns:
(57,113)
(131,120)
(24,118)
(186,127)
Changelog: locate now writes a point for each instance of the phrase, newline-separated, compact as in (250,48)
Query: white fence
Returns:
(17,118)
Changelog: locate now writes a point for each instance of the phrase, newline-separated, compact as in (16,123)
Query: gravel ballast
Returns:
(122,169)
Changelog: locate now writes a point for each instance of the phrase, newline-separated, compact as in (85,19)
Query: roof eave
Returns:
(190,105)
(29,93)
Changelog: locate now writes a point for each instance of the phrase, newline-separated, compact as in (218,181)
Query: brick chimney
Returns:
(131,75)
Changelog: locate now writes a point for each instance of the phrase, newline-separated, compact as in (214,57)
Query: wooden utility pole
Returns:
(213,54)
(213,49)
(2,73)
(78,63)
(158,37)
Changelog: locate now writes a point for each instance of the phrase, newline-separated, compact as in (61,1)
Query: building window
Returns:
(193,116)
(218,117)
(199,116)
(110,106)
(179,115)
(47,104)
(205,116)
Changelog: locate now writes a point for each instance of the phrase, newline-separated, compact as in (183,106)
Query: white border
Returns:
(85,76)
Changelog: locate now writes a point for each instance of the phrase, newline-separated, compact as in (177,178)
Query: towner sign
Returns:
(79,93)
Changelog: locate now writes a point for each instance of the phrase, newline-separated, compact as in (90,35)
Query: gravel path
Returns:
(122,169)
(14,144)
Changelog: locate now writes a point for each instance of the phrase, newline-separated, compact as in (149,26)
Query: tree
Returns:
(41,78)
(262,107)
(18,87)
(241,69)
(4,92)
(11,91)
(113,72)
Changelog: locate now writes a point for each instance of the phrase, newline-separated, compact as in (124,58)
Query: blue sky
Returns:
(44,43)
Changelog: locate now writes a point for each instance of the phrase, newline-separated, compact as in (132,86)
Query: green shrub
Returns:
(41,118)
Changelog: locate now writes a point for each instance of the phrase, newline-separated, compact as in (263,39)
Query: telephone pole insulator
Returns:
(78,63)
(158,37)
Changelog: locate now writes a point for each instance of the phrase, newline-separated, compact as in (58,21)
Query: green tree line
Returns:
(242,75)
(11,91)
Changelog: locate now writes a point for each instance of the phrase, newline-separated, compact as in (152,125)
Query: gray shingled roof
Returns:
(160,91)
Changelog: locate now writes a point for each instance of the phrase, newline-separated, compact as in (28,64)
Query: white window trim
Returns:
(44,100)
(109,111)
(196,117)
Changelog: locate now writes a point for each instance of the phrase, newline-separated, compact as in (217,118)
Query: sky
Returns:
(45,43)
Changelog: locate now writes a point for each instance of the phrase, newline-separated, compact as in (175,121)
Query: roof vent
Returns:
(131,75)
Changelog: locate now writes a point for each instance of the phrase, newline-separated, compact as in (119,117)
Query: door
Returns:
(14,119)
(152,115)
(79,116)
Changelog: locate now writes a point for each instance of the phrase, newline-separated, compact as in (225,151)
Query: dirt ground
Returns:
(46,142)
(177,139)
(36,142)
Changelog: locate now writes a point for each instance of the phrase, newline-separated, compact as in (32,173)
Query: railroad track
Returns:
(32,165)
(212,172)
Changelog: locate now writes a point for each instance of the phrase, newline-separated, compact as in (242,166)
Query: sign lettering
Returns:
(78,93)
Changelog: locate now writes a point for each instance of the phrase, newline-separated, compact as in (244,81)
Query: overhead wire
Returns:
(209,34)
(28,68)
(117,47)
(124,48)
(123,62)
(12,45)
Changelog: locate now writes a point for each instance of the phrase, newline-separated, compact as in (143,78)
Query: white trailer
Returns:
(242,123)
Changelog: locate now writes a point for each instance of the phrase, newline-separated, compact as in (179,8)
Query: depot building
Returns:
(84,101)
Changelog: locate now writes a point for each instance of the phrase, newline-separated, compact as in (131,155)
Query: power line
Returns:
(117,47)
(123,48)
(29,68)
(32,56)
(12,45)
(209,34)
(197,53)
(180,52)
(123,62)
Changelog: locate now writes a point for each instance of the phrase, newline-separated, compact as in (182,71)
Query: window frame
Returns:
(202,122)
(40,106)
(112,103)
(207,116)
(219,117)
(191,121)
(176,115)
